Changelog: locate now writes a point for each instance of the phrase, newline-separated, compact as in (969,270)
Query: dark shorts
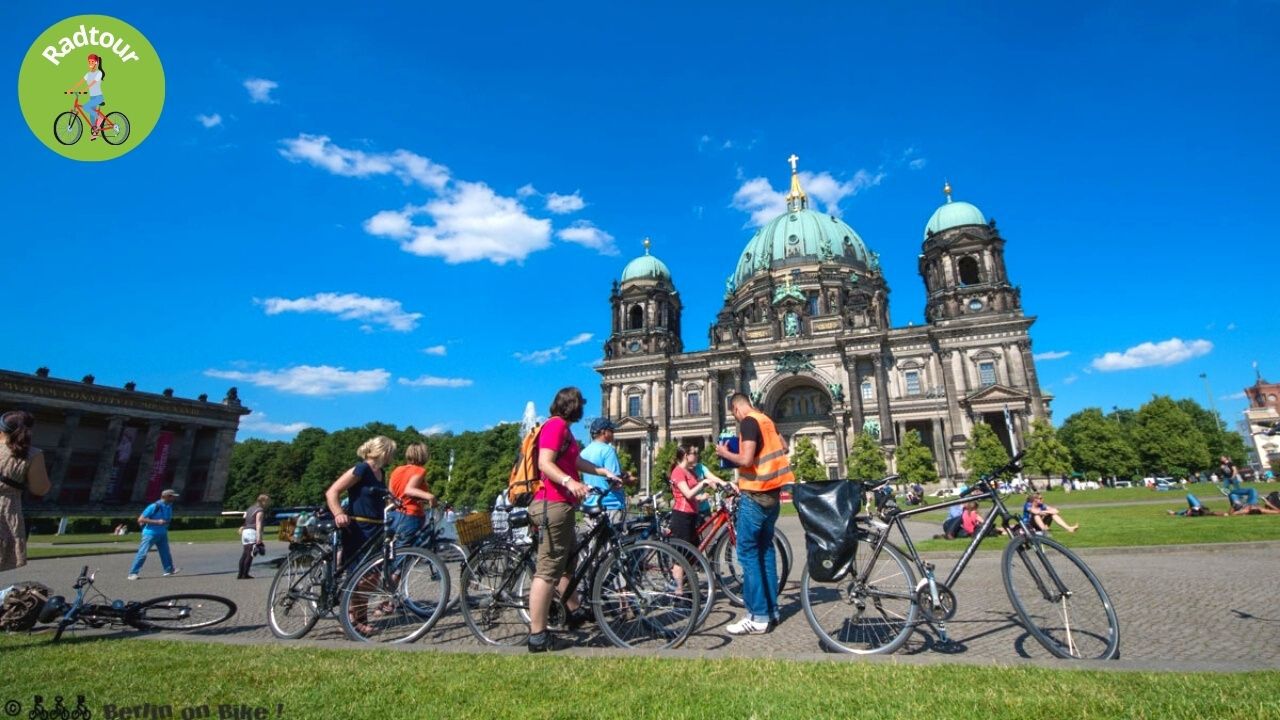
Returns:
(684,526)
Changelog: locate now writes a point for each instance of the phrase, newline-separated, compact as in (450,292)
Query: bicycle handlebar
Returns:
(1012,466)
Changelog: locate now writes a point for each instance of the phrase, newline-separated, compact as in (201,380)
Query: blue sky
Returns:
(413,212)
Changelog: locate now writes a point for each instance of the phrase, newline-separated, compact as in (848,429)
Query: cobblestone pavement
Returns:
(1180,607)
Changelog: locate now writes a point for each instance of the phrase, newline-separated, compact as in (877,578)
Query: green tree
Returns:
(660,473)
(804,461)
(1220,440)
(986,453)
(629,465)
(1046,455)
(1099,445)
(866,461)
(915,462)
(1167,440)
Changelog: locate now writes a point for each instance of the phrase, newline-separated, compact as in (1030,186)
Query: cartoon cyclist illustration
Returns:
(92,81)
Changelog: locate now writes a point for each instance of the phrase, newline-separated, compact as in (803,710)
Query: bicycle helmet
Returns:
(53,608)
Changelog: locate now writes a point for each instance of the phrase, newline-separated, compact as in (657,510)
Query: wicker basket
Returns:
(286,528)
(474,528)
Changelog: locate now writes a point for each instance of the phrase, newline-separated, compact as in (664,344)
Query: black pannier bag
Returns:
(827,511)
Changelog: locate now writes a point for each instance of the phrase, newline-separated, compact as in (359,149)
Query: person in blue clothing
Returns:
(1039,516)
(362,519)
(1194,509)
(601,452)
(155,521)
(1232,485)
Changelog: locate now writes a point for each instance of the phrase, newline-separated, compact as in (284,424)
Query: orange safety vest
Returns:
(771,470)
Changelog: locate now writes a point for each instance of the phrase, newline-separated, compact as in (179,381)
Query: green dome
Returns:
(953,214)
(646,267)
(800,237)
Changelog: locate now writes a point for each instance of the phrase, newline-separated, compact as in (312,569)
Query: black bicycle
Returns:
(634,594)
(656,525)
(188,611)
(874,608)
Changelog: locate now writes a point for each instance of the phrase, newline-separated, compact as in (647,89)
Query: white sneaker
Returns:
(174,571)
(747,626)
(132,576)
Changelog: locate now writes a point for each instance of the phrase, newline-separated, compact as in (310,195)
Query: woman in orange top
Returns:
(409,485)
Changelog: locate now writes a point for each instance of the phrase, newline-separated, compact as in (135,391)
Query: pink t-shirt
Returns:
(680,476)
(555,435)
(970,520)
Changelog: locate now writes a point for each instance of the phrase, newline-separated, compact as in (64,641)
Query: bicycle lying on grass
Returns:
(875,607)
(188,611)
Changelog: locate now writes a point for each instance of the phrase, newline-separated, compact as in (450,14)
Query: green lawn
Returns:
(302,682)
(177,536)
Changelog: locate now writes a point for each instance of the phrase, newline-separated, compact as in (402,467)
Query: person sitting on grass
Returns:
(1040,516)
(1239,508)
(1194,509)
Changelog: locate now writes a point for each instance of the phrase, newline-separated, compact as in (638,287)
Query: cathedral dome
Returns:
(953,214)
(646,267)
(800,236)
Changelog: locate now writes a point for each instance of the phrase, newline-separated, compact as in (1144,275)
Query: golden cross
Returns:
(793,160)
(646,246)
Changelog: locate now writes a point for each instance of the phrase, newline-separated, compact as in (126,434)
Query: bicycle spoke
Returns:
(1059,600)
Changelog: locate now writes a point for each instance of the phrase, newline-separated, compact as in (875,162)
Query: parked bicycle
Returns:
(718,540)
(384,593)
(655,524)
(874,608)
(633,590)
(187,611)
(69,126)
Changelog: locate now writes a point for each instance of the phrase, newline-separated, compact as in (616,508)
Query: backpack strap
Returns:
(13,483)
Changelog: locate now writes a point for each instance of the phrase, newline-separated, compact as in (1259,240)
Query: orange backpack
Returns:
(525,480)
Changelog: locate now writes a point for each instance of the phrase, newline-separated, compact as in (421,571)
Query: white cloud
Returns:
(564,204)
(209,121)
(579,339)
(757,197)
(526,190)
(438,350)
(1234,396)
(586,234)
(917,163)
(1052,355)
(260,89)
(321,152)
(437,429)
(1231,326)
(432,381)
(349,306)
(1070,379)
(312,380)
(256,422)
(1148,354)
(541,357)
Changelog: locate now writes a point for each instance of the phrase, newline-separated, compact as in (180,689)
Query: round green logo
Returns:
(91,87)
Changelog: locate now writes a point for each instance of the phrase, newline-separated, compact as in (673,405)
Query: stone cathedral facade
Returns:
(805,330)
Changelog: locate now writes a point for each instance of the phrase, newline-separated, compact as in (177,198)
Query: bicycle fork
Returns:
(938,624)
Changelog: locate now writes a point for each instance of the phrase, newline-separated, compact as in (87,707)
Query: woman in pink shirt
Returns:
(559,465)
(685,488)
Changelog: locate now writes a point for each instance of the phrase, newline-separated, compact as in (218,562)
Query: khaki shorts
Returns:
(556,540)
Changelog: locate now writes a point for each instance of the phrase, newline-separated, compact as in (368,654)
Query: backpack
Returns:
(525,480)
(20,605)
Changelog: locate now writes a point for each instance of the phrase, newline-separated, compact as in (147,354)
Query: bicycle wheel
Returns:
(706,576)
(1059,600)
(118,131)
(180,612)
(495,595)
(396,601)
(635,597)
(67,128)
(293,606)
(455,558)
(724,560)
(871,610)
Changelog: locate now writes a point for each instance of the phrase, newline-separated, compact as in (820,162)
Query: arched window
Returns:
(803,403)
(635,319)
(969,272)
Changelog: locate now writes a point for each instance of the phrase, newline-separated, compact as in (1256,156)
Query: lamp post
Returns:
(1212,405)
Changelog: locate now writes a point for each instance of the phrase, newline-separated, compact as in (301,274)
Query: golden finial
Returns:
(646,246)
(796,199)
(946,188)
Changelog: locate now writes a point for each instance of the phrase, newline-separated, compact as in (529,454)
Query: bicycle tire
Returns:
(292,605)
(724,560)
(401,602)
(454,556)
(495,595)
(634,596)
(67,128)
(1087,629)
(118,134)
(701,567)
(837,612)
(187,611)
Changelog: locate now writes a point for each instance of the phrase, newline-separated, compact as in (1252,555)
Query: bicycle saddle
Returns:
(873,485)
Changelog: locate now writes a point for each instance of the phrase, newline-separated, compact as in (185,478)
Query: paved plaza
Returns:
(1181,608)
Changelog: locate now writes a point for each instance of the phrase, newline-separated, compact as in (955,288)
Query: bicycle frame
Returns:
(99,613)
(78,109)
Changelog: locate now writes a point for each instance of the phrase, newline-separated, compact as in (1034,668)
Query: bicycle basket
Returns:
(473,528)
(287,526)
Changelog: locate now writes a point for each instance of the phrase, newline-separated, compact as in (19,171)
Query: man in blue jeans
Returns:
(1232,487)
(763,470)
(155,522)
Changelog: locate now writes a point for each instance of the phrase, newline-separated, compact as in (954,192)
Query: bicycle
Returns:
(657,525)
(632,589)
(407,587)
(874,608)
(69,125)
(188,611)
(718,540)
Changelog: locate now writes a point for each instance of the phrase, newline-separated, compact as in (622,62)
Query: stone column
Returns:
(1033,382)
(882,394)
(940,448)
(146,462)
(62,455)
(714,404)
(1017,368)
(183,459)
(219,464)
(855,395)
(106,460)
(953,390)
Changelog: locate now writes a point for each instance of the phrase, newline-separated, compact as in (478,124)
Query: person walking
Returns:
(600,452)
(251,537)
(409,485)
(763,469)
(21,470)
(559,464)
(155,521)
